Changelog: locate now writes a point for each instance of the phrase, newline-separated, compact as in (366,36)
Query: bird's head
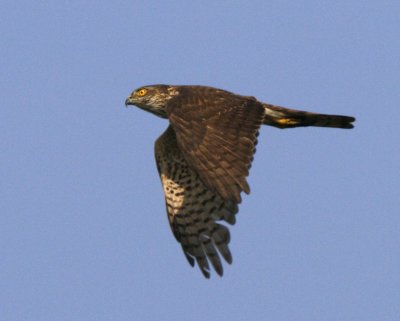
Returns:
(152,98)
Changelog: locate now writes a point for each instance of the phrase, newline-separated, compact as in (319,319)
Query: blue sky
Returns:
(83,228)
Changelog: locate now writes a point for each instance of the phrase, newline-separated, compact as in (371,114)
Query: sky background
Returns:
(83,228)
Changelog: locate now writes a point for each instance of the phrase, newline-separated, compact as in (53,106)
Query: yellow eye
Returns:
(141,92)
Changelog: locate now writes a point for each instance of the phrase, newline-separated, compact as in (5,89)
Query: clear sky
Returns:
(83,228)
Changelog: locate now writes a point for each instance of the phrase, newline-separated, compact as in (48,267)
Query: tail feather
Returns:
(288,118)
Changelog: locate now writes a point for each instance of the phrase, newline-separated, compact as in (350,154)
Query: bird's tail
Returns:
(288,118)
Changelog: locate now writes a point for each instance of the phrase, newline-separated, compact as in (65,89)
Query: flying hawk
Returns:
(204,157)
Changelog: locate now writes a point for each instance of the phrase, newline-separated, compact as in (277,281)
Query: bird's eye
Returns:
(141,92)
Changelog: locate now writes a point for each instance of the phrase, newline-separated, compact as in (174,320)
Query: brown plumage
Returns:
(192,208)
(204,157)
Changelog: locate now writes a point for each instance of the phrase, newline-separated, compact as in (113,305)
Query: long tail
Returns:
(288,118)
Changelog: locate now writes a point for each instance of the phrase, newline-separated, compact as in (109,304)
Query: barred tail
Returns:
(288,118)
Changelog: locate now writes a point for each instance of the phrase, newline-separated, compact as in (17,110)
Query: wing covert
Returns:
(217,133)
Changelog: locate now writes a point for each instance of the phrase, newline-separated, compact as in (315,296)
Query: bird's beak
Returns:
(128,101)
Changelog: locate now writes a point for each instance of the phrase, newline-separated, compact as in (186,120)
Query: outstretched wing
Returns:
(217,133)
(193,209)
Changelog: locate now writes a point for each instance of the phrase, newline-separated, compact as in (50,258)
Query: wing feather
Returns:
(217,133)
(193,209)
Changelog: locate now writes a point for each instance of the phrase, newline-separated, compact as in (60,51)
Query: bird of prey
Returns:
(204,157)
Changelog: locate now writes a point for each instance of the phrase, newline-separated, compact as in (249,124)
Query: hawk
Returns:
(204,157)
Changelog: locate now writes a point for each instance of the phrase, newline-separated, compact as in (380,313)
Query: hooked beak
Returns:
(128,101)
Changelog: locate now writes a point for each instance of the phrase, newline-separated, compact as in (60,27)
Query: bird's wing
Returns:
(217,133)
(193,209)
